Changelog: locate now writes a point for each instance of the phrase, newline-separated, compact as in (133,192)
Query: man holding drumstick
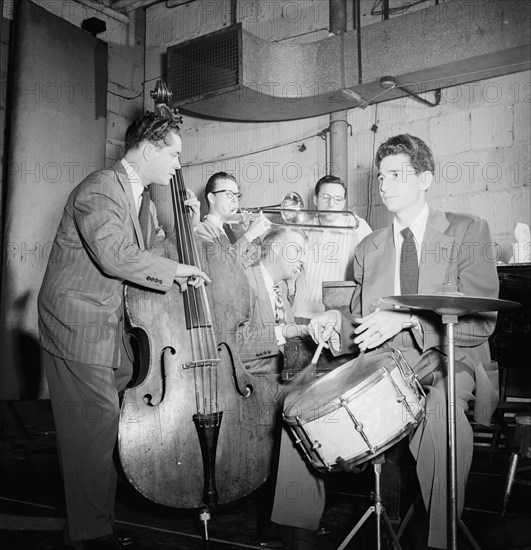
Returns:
(423,249)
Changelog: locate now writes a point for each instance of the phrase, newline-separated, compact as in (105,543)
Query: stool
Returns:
(521,449)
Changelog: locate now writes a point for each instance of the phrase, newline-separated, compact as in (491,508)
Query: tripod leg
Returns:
(396,543)
(513,464)
(405,521)
(468,534)
(356,528)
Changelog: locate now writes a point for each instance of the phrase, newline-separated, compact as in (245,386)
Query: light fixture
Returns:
(390,82)
(94,26)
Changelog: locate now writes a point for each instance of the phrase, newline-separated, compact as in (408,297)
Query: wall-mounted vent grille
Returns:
(205,65)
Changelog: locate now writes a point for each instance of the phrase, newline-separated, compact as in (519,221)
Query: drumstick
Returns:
(317,353)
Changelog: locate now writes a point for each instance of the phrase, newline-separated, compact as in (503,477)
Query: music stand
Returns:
(451,305)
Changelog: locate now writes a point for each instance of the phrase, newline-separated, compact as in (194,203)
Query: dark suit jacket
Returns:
(257,342)
(98,247)
(244,252)
(455,248)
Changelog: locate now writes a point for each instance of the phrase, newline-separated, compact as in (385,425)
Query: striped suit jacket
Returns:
(216,243)
(98,247)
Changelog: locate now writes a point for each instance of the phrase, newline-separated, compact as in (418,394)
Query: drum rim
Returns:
(333,405)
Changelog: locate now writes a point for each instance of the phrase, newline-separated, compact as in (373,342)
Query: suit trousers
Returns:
(300,492)
(86,413)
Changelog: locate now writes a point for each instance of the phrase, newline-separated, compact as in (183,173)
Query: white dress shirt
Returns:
(269,284)
(138,188)
(136,183)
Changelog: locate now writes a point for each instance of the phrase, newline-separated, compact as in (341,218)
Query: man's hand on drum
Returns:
(378,327)
(325,327)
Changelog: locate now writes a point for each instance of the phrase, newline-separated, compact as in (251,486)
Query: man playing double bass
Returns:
(100,245)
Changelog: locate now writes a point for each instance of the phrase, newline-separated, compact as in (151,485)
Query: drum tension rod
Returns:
(358,425)
(400,397)
(313,446)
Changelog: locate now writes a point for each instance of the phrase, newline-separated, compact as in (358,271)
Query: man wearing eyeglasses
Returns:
(330,251)
(222,195)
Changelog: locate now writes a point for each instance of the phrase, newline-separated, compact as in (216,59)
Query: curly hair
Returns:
(150,127)
(419,154)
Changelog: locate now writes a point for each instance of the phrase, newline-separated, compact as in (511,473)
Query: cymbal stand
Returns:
(378,509)
(450,321)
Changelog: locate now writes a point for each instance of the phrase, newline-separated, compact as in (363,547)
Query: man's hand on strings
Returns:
(193,206)
(189,275)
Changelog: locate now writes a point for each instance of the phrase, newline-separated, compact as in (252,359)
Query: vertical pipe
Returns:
(338,121)
(233,12)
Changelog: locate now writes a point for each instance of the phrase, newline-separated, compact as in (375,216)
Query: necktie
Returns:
(409,265)
(230,233)
(147,225)
(280,310)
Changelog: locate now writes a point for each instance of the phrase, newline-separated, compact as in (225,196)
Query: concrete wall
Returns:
(479,133)
(125,39)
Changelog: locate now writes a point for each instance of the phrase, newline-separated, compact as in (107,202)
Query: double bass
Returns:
(196,429)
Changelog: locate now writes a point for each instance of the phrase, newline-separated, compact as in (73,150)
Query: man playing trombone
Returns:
(330,250)
(222,195)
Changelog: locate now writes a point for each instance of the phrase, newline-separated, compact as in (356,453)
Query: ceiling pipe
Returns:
(339,120)
(102,8)
(389,82)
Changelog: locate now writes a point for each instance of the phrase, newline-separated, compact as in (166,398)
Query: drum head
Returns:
(322,396)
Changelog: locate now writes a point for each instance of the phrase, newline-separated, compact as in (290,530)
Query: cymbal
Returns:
(451,303)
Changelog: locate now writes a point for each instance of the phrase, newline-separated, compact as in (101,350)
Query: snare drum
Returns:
(356,411)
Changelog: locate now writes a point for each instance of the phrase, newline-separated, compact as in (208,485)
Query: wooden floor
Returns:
(32,506)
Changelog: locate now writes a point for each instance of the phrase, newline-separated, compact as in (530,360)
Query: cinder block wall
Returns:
(480,137)
(480,132)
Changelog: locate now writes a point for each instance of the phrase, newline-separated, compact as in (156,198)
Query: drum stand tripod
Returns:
(378,509)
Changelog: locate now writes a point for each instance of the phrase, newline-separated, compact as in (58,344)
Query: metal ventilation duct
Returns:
(212,65)
(234,75)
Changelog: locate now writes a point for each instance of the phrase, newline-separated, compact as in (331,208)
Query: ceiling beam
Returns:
(131,5)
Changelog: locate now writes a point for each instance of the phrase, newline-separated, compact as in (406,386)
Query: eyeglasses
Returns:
(336,199)
(228,194)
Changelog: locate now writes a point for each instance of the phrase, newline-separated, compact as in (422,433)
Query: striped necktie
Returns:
(280,309)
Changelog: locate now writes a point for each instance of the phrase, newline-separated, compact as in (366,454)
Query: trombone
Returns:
(291,212)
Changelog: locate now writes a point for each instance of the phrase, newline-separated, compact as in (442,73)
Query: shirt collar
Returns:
(418,227)
(136,183)
(269,284)
(268,280)
(215,220)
